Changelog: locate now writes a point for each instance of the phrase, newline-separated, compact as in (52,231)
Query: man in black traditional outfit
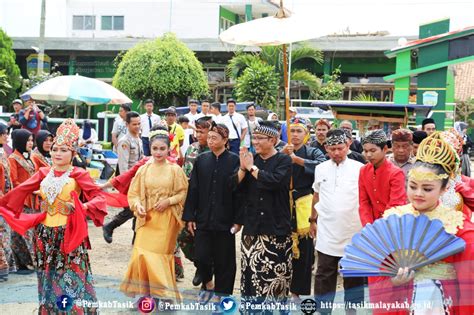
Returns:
(305,159)
(264,181)
(212,215)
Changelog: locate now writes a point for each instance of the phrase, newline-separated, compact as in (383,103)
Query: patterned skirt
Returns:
(266,268)
(23,247)
(60,274)
(7,260)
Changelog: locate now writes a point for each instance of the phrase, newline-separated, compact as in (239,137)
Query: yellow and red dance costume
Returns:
(453,276)
(151,270)
(61,240)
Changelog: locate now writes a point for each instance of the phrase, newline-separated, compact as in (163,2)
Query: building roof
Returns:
(368,110)
(430,40)
(329,43)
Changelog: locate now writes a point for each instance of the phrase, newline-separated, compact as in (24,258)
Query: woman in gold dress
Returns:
(156,196)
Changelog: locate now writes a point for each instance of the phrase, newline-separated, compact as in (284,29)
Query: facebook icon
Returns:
(64,303)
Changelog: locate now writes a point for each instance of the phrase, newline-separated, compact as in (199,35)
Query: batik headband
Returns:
(336,137)
(299,122)
(267,128)
(221,129)
(402,135)
(375,137)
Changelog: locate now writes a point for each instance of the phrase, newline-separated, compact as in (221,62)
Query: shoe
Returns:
(107,232)
(197,280)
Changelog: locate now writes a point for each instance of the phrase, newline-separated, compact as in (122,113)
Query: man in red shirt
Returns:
(381,184)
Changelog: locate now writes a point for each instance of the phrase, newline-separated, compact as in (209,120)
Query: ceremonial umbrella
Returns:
(282,29)
(76,90)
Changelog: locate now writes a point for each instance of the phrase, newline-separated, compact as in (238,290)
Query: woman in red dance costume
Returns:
(61,240)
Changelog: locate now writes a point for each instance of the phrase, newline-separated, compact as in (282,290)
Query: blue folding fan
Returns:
(388,244)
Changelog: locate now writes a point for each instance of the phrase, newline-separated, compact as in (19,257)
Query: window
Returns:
(83,22)
(225,24)
(115,23)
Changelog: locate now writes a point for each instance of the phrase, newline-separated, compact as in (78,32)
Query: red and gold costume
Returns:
(61,242)
(446,286)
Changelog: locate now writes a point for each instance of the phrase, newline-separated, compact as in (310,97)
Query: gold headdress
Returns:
(67,134)
(436,150)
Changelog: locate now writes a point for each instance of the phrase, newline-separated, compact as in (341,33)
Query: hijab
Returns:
(19,139)
(86,129)
(40,139)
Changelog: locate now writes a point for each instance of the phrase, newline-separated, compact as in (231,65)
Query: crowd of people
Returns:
(191,183)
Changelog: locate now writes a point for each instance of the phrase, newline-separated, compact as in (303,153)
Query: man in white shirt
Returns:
(216,113)
(335,210)
(253,122)
(205,108)
(119,128)
(237,125)
(147,121)
(193,114)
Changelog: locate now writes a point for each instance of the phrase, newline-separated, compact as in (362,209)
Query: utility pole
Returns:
(41,37)
(171,12)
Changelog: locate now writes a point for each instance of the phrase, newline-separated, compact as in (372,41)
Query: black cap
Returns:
(427,121)
(418,136)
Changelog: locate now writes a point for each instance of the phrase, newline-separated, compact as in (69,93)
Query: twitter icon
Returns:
(228,305)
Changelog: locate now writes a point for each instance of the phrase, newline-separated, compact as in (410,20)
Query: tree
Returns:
(4,85)
(333,88)
(273,56)
(163,69)
(9,66)
(35,79)
(258,83)
(465,112)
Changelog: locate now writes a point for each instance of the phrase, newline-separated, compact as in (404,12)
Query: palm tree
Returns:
(272,55)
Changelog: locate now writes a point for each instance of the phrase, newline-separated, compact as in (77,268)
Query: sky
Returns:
(398,17)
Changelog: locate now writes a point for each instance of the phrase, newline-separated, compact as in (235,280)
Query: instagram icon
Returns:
(146,305)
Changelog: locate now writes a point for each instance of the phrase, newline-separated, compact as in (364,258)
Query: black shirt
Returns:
(211,200)
(266,202)
(317,145)
(356,146)
(303,177)
(357,157)
(281,144)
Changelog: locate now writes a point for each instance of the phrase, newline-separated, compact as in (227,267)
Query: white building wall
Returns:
(142,18)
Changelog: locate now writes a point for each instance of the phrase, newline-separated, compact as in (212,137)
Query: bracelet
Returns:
(242,169)
(312,220)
